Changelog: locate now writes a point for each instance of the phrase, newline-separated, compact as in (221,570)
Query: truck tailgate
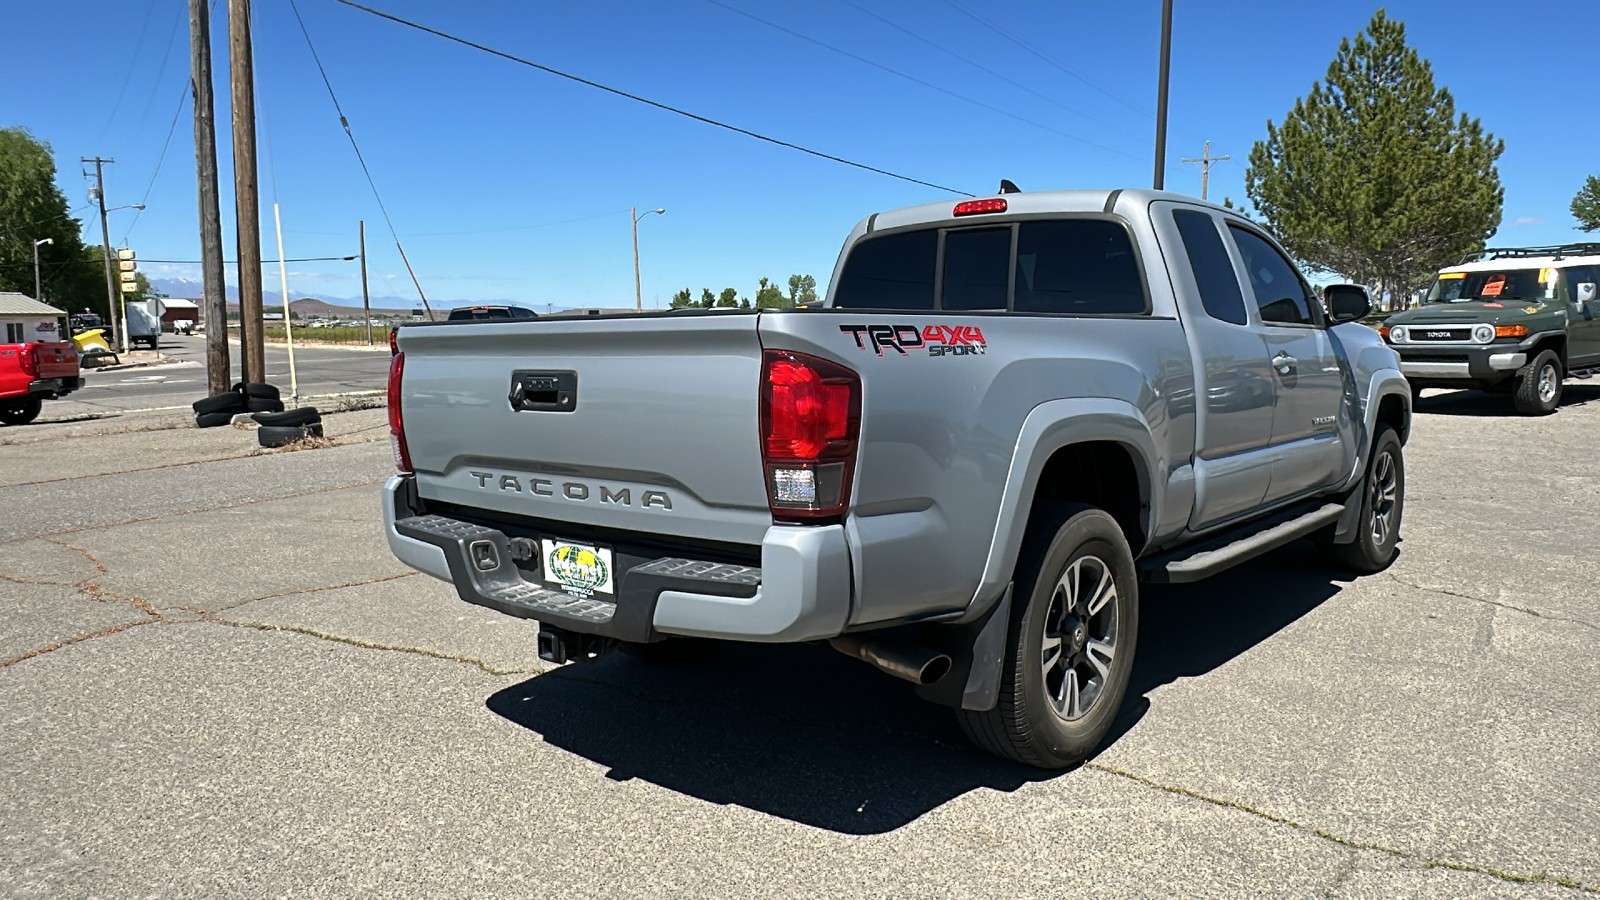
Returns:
(645,424)
(56,359)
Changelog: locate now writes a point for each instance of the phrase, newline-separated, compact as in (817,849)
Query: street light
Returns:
(38,290)
(638,299)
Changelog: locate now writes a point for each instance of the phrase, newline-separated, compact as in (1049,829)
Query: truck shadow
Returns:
(808,735)
(1498,405)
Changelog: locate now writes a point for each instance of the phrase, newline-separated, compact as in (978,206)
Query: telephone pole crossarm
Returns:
(1205,159)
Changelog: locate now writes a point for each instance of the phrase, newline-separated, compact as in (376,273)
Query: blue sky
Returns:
(508,183)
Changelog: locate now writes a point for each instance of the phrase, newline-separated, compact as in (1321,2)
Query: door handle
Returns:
(1284,363)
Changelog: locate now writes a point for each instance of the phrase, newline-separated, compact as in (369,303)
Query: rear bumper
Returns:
(54,387)
(800,592)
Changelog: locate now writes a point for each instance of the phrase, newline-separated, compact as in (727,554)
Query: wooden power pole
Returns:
(1205,160)
(247,206)
(214,291)
(114,301)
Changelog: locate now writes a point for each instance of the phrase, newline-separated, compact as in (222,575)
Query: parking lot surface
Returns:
(216,681)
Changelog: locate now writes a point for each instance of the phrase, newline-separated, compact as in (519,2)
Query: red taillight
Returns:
(28,356)
(397,429)
(810,427)
(394,341)
(978,207)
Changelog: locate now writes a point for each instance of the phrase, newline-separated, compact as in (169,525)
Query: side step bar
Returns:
(1205,563)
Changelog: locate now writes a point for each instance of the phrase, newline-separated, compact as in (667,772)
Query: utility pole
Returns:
(241,69)
(1205,161)
(214,290)
(1161,96)
(114,310)
(366,301)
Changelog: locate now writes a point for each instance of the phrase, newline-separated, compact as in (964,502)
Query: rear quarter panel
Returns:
(940,429)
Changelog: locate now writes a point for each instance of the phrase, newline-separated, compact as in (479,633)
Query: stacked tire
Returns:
(252,397)
(278,428)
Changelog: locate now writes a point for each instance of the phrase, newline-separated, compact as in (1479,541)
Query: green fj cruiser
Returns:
(1511,320)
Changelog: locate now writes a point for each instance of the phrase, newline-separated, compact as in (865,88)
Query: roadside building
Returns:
(24,320)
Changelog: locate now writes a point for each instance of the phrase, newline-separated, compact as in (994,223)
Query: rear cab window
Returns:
(1082,265)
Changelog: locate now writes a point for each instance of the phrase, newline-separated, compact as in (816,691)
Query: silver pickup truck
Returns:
(1006,415)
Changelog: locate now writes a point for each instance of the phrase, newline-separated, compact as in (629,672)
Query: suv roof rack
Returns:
(1554,250)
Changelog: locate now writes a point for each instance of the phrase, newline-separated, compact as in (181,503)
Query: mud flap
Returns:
(977,653)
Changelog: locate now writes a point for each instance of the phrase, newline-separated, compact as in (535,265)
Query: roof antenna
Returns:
(1007,186)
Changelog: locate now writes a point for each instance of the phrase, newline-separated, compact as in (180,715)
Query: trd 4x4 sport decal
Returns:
(936,340)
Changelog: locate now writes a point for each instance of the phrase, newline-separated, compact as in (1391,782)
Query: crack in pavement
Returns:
(1425,861)
(371,645)
(293,593)
(75,639)
(1526,610)
(191,512)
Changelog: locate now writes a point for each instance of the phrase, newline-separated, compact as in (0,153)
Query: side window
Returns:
(1083,266)
(1280,294)
(1580,275)
(1213,270)
(977,264)
(890,272)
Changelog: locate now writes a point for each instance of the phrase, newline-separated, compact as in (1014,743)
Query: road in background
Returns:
(322,370)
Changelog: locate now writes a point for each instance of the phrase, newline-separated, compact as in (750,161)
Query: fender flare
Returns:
(1048,428)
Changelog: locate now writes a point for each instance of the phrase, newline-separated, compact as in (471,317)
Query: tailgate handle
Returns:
(544,391)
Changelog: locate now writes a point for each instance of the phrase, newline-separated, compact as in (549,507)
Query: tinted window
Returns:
(977,264)
(890,272)
(1083,266)
(1213,270)
(1280,295)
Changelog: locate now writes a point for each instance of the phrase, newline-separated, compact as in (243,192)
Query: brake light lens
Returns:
(810,429)
(394,340)
(28,356)
(1510,331)
(397,430)
(979,207)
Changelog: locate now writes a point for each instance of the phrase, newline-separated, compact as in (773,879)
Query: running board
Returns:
(1205,563)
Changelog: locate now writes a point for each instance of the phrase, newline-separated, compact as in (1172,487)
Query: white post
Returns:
(288,325)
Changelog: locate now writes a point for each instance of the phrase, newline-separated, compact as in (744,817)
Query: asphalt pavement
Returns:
(179,378)
(215,681)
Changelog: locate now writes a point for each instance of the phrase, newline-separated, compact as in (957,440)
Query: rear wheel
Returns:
(1539,385)
(20,411)
(1070,650)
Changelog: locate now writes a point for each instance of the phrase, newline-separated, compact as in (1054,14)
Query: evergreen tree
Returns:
(1374,175)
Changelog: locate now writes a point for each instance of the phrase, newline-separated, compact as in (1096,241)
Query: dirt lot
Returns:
(215,681)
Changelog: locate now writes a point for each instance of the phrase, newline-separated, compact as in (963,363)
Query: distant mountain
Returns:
(193,288)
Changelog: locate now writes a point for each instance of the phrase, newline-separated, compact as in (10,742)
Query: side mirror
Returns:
(1586,293)
(1346,302)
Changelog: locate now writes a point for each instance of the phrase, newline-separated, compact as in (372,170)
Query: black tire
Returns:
(259,390)
(1383,493)
(305,415)
(1539,385)
(1033,721)
(21,411)
(260,405)
(229,403)
(212,420)
(277,436)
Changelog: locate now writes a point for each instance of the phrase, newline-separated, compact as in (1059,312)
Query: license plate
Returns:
(580,569)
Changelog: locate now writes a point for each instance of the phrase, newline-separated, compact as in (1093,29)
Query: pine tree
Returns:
(1586,205)
(1373,174)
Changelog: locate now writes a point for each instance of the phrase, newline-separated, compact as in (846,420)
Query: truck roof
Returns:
(1024,203)
(1542,261)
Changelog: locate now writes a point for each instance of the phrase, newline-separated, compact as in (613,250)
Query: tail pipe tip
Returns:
(918,665)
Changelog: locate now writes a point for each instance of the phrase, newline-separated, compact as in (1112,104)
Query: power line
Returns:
(1041,54)
(183,99)
(974,63)
(638,99)
(138,49)
(915,80)
(345,122)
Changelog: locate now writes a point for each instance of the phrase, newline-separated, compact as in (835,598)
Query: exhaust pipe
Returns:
(918,665)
